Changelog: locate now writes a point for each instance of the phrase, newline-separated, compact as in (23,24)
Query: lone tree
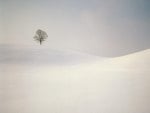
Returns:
(40,36)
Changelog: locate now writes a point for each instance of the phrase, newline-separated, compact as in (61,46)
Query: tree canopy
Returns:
(40,36)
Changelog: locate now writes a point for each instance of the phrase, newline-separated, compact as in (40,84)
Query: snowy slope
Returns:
(41,56)
(111,85)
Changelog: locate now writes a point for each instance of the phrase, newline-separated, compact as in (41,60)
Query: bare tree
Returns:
(40,36)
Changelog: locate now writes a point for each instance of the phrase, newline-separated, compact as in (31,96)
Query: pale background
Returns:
(95,60)
(100,27)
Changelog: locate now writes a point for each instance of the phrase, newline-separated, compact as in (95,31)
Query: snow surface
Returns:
(50,81)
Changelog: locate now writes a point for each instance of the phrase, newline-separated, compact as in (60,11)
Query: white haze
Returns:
(98,27)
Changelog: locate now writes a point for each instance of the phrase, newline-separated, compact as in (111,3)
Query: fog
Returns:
(95,59)
(99,27)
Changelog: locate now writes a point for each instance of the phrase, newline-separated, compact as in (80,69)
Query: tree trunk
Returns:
(40,42)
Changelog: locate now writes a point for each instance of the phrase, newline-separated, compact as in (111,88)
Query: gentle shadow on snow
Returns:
(34,56)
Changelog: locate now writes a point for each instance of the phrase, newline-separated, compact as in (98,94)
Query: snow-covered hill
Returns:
(40,56)
(97,85)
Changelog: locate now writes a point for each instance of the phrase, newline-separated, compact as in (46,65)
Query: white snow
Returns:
(94,85)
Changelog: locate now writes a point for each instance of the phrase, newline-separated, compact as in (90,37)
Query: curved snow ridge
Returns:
(144,54)
(139,61)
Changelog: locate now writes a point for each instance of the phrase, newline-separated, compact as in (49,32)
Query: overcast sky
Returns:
(98,27)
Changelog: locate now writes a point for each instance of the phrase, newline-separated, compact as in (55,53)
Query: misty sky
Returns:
(98,27)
